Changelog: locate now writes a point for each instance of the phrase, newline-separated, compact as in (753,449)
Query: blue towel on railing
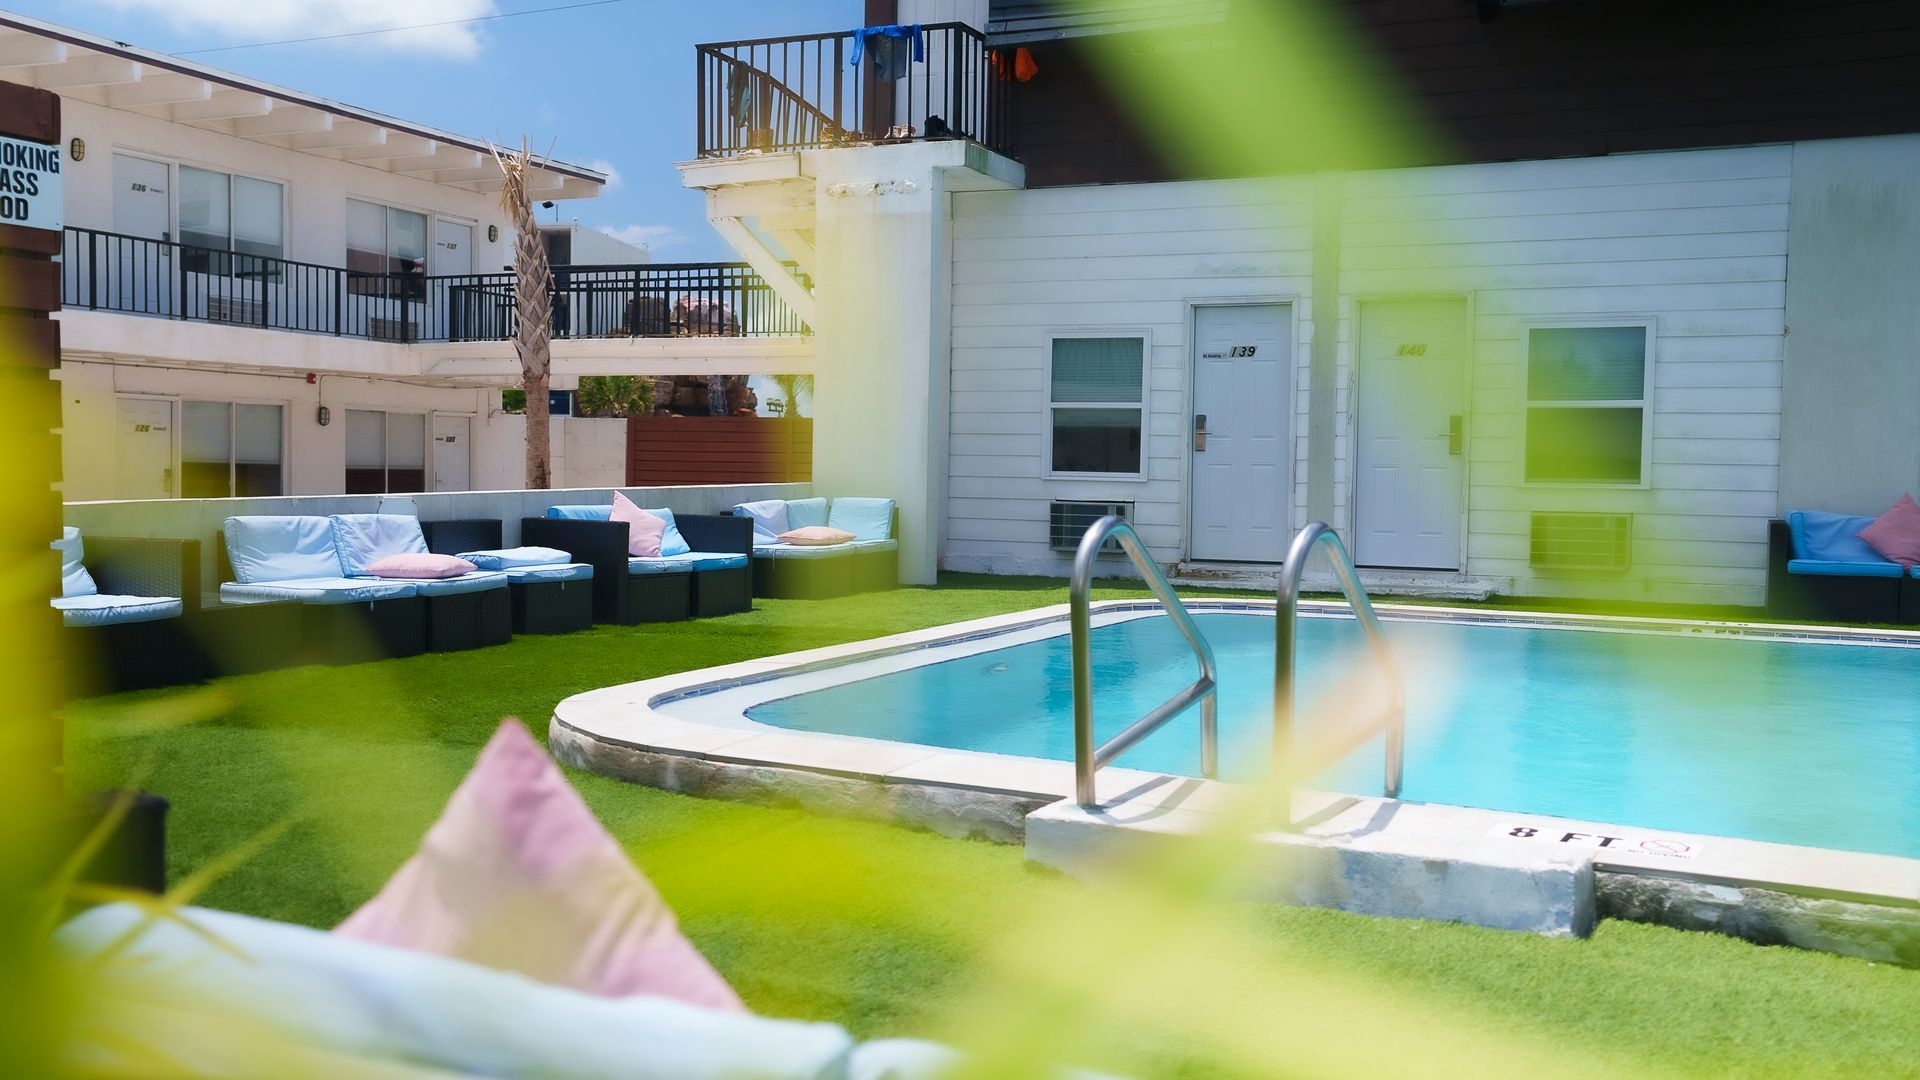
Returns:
(888,46)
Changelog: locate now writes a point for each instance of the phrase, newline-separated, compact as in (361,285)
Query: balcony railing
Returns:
(104,271)
(797,93)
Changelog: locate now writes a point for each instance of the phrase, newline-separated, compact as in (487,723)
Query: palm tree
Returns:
(791,389)
(533,309)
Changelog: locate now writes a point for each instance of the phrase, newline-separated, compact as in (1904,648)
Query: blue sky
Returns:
(610,86)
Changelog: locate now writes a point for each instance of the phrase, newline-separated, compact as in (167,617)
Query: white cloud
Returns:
(602,165)
(243,22)
(647,236)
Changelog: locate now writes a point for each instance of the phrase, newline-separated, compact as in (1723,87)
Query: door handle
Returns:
(1455,432)
(166,481)
(1199,433)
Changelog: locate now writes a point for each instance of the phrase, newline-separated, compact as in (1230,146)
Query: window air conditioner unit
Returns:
(380,328)
(1568,541)
(1067,522)
(230,309)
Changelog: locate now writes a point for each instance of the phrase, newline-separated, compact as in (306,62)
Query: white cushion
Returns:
(269,548)
(320,590)
(769,518)
(96,609)
(394,1005)
(866,519)
(74,579)
(511,558)
(365,539)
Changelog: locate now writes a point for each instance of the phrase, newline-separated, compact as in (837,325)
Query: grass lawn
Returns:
(896,932)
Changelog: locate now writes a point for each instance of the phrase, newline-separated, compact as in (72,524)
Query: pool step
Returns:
(1359,866)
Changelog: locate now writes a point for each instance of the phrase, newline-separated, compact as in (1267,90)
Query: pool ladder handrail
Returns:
(1088,758)
(1287,596)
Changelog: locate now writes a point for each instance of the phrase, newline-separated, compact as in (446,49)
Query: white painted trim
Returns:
(1645,404)
(1049,336)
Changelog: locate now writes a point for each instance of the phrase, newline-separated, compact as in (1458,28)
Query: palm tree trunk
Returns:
(533,311)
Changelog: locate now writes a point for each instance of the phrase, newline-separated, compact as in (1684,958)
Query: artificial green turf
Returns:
(895,932)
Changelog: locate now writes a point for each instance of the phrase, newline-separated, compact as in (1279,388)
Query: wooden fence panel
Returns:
(667,450)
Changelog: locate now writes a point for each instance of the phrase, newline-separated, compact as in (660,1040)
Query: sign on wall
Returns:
(30,193)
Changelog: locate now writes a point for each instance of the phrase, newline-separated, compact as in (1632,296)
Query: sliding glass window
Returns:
(231,225)
(230,450)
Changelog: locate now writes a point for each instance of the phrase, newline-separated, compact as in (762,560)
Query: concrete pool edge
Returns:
(1812,893)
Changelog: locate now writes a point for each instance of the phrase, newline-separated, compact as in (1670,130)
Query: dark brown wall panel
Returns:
(666,450)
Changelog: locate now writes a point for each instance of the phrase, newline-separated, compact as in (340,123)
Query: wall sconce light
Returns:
(493,234)
(323,416)
(77,149)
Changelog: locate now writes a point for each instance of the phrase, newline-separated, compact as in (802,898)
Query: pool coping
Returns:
(622,731)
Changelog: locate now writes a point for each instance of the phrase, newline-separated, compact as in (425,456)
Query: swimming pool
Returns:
(1799,742)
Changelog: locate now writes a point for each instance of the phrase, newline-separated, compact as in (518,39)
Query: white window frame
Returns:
(1644,402)
(180,440)
(386,238)
(386,446)
(231,174)
(1049,405)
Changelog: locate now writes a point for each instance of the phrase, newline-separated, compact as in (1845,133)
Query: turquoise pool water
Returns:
(1793,742)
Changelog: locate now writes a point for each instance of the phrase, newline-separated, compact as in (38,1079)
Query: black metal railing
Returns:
(797,93)
(105,271)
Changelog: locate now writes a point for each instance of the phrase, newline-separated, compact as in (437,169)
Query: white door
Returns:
(1242,378)
(452,248)
(144,449)
(451,453)
(141,273)
(1410,431)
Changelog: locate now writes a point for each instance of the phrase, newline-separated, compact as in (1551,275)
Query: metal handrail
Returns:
(1287,595)
(1088,758)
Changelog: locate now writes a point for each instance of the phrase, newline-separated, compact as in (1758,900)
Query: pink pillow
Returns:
(644,530)
(420,565)
(815,536)
(1896,533)
(518,875)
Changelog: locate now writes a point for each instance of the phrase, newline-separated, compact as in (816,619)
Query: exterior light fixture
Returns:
(324,416)
(493,234)
(77,149)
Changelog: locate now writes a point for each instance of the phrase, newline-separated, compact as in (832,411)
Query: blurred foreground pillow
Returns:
(519,875)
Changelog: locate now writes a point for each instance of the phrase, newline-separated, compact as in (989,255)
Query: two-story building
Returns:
(267,292)
(1543,298)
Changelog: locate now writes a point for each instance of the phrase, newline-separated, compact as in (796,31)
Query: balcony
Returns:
(798,93)
(104,271)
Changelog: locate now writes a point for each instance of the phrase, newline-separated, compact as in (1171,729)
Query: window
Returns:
(1097,391)
(229,450)
(1587,404)
(238,214)
(386,251)
(386,452)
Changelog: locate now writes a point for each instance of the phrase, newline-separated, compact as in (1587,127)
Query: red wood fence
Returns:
(663,450)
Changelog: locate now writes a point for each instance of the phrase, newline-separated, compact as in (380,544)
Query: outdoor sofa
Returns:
(702,570)
(549,596)
(321,562)
(123,607)
(1819,568)
(869,562)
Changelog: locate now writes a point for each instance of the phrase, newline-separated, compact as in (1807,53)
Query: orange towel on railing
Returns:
(1022,67)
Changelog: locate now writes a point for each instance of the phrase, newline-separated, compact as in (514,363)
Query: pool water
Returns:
(1792,742)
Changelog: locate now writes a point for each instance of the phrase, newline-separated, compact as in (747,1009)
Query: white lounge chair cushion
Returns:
(385,1004)
(866,519)
(513,558)
(534,575)
(804,512)
(799,551)
(318,590)
(769,518)
(478,581)
(365,539)
(74,579)
(95,609)
(268,548)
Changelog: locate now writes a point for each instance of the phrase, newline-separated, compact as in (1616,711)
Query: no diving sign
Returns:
(1663,847)
(30,194)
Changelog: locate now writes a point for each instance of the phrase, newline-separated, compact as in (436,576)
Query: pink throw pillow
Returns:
(1896,533)
(420,565)
(519,875)
(644,530)
(815,536)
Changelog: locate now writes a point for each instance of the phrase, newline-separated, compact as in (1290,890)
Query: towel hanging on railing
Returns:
(888,47)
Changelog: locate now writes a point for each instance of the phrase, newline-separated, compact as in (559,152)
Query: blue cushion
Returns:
(866,519)
(581,513)
(802,513)
(671,542)
(769,518)
(509,558)
(654,564)
(1830,537)
(534,575)
(95,609)
(74,579)
(365,539)
(264,548)
(478,581)
(318,590)
(711,560)
(1836,568)
(287,985)
(805,551)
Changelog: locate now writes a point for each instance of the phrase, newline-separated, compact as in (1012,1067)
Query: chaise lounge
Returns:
(1818,568)
(702,569)
(123,604)
(792,571)
(550,593)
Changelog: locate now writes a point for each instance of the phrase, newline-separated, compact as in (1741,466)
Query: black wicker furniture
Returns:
(145,642)
(713,578)
(553,598)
